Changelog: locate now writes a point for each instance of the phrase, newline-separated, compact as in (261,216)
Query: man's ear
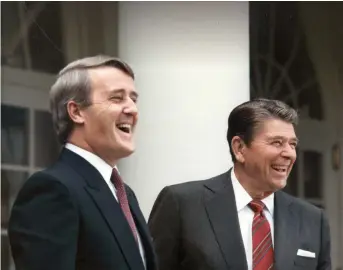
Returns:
(238,148)
(75,113)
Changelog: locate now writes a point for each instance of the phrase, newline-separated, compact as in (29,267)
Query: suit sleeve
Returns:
(164,224)
(43,227)
(324,262)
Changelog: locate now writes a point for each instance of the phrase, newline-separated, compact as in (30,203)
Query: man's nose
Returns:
(131,107)
(289,152)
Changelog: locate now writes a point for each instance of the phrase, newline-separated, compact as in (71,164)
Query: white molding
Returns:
(17,168)
(70,30)
(27,78)
(76,29)
(110,29)
(22,96)
(31,138)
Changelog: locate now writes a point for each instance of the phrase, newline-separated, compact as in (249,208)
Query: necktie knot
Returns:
(257,206)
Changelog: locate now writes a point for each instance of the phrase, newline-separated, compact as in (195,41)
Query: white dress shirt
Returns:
(246,215)
(106,172)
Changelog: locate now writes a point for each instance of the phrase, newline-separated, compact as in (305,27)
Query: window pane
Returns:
(12,53)
(313,174)
(46,143)
(292,182)
(5,253)
(11,182)
(14,135)
(280,63)
(45,37)
(319,205)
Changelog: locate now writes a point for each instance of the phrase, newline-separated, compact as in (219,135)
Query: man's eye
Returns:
(116,98)
(277,143)
(294,145)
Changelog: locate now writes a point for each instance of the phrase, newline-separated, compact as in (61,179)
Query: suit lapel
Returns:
(143,230)
(222,212)
(286,224)
(108,207)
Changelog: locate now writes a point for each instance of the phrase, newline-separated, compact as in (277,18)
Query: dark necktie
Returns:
(263,253)
(122,199)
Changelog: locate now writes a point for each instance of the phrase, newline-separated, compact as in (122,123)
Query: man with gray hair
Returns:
(78,213)
(241,220)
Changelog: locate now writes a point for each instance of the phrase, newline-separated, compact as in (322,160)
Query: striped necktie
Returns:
(263,253)
(123,201)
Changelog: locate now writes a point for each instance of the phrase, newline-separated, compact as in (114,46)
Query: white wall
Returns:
(192,65)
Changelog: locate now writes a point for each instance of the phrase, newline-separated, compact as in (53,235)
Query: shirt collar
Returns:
(243,198)
(104,169)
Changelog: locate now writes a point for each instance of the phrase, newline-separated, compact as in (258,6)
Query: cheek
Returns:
(254,163)
(103,126)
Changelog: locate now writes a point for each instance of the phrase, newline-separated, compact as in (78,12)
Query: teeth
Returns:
(279,168)
(124,127)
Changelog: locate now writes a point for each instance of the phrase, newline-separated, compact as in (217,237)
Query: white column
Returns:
(191,60)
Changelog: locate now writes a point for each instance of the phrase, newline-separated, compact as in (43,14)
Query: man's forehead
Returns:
(276,127)
(110,79)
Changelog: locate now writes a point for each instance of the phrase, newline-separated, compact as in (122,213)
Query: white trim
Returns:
(75,31)
(4,232)
(37,169)
(21,96)
(27,78)
(340,173)
(70,29)
(25,28)
(20,168)
(110,27)
(83,29)
(17,168)
(300,178)
(31,138)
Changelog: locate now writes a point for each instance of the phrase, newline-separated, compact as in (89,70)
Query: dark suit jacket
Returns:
(66,218)
(195,227)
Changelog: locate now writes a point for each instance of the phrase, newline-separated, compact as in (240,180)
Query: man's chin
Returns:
(280,184)
(127,150)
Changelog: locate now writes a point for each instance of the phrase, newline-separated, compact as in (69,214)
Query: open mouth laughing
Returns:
(124,127)
(280,168)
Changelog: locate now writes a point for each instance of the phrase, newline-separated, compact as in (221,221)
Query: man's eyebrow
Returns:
(121,90)
(283,138)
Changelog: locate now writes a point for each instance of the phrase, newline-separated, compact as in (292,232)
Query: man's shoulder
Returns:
(56,172)
(301,204)
(197,186)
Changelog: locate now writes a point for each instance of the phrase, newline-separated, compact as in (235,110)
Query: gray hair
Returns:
(246,118)
(74,84)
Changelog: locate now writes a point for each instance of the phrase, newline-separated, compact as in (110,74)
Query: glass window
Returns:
(12,53)
(45,37)
(11,182)
(280,65)
(14,135)
(32,36)
(292,181)
(313,174)
(46,143)
(5,253)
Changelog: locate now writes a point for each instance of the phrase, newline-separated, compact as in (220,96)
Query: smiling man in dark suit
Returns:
(240,220)
(78,214)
